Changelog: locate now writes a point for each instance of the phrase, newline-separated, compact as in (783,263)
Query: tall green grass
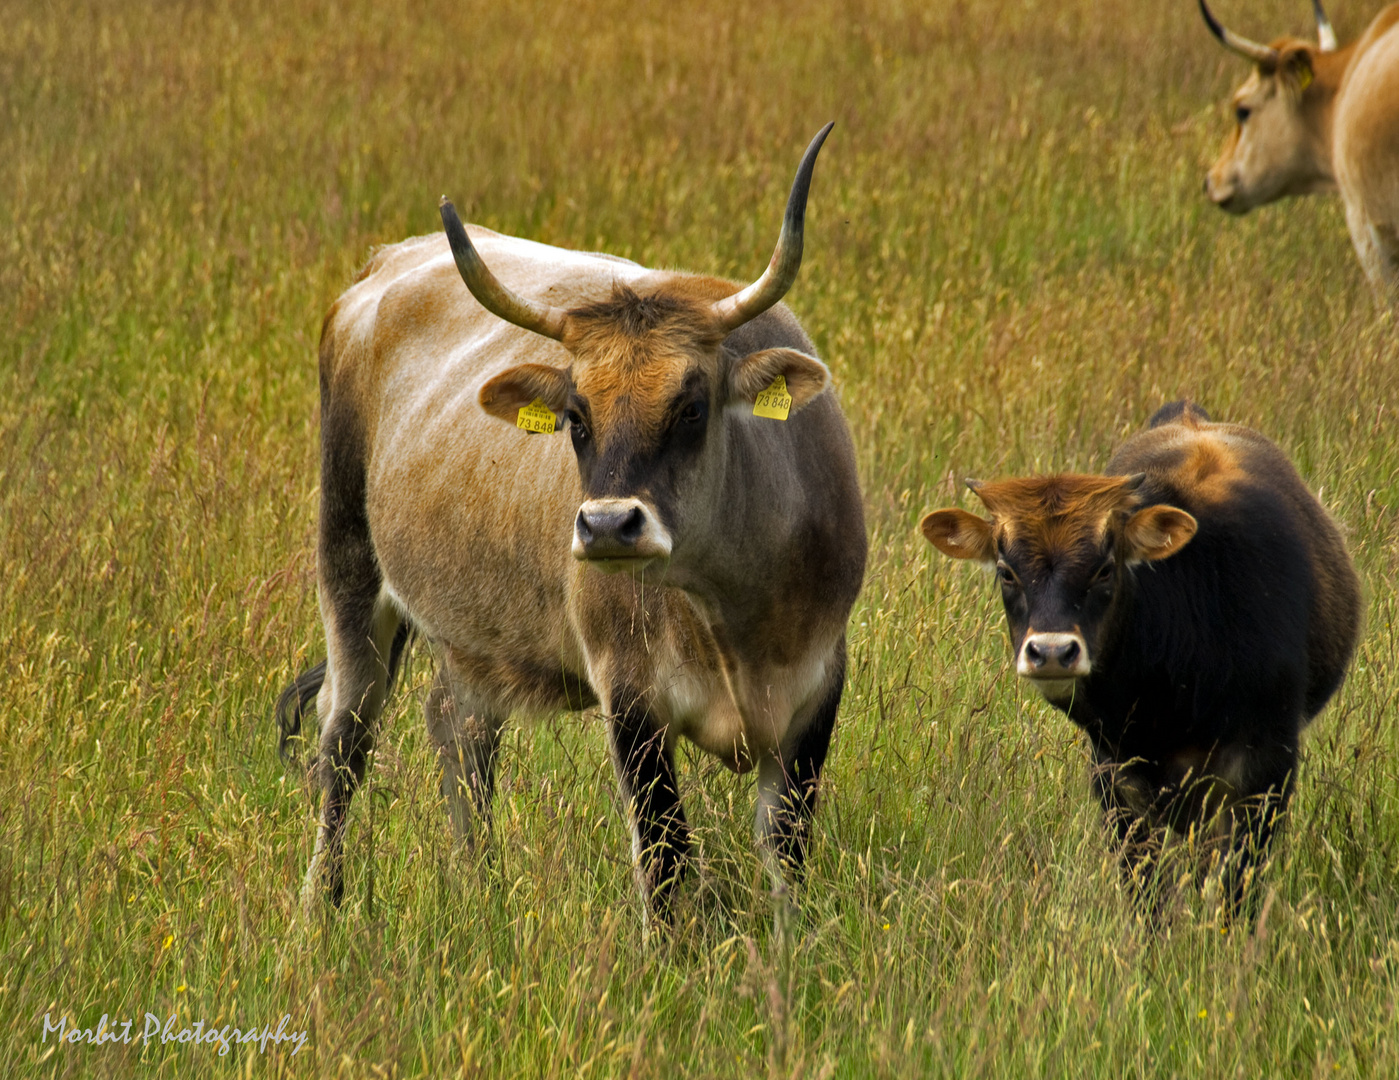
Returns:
(1009,266)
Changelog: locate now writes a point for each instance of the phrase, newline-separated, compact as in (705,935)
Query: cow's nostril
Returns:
(1069,654)
(584,529)
(632,526)
(1033,654)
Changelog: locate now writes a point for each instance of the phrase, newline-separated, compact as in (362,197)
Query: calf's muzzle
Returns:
(1053,656)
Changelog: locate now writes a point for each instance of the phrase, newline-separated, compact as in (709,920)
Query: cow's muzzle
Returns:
(619,534)
(1053,661)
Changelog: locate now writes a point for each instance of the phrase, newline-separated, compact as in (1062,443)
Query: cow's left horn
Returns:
(1325,36)
(492,295)
(1263,54)
(733,311)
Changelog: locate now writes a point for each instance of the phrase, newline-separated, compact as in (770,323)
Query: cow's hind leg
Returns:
(359,669)
(1128,802)
(465,728)
(645,767)
(788,782)
(1253,818)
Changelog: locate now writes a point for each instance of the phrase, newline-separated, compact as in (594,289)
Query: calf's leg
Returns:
(1265,786)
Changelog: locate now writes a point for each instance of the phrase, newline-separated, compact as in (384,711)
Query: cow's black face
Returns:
(1062,547)
(1057,604)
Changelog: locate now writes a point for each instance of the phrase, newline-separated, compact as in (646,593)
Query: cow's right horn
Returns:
(489,292)
(733,311)
(1263,54)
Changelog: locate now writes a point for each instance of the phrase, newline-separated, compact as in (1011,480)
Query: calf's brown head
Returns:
(645,393)
(1062,547)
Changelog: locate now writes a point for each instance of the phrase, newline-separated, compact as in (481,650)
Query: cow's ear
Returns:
(1155,532)
(518,387)
(805,376)
(960,534)
(1295,63)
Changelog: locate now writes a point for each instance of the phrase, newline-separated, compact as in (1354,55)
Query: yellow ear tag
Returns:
(774,402)
(1304,78)
(536,418)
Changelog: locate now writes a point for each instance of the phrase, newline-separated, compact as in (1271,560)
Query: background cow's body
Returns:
(1192,670)
(1316,118)
(437,515)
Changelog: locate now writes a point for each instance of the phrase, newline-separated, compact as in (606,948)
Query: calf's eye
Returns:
(1242,113)
(577,428)
(1006,574)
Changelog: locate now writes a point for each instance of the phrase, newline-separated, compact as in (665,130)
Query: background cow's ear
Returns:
(1155,532)
(507,393)
(806,376)
(1296,66)
(960,534)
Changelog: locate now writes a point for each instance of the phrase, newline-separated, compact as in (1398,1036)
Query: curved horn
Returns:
(1325,36)
(489,292)
(1263,54)
(733,311)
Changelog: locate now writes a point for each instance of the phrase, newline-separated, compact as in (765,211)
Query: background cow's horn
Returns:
(492,295)
(733,311)
(1263,54)
(1325,36)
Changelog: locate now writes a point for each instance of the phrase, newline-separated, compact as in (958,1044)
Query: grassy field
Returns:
(1009,266)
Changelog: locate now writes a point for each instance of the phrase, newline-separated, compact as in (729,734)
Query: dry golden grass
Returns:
(1009,267)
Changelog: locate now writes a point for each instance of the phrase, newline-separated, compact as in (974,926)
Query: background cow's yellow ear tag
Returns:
(1304,78)
(774,402)
(536,418)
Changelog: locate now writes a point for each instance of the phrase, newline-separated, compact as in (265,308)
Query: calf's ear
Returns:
(1154,532)
(507,393)
(960,534)
(805,376)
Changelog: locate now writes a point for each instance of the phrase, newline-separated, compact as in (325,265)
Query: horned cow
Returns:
(679,560)
(1191,611)
(1315,118)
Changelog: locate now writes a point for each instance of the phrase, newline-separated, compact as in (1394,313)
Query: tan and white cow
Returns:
(677,558)
(1319,118)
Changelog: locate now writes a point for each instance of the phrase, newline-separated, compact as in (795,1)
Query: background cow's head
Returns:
(1061,547)
(644,396)
(1279,143)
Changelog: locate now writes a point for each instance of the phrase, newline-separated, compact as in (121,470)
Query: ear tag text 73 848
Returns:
(536,418)
(774,402)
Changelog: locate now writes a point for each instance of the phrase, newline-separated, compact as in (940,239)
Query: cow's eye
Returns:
(577,428)
(693,413)
(1242,113)
(1007,575)
(1104,574)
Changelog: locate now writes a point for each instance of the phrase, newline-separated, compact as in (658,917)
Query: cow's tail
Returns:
(292,704)
(296,699)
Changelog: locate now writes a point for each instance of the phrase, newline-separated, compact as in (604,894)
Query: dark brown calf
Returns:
(1191,610)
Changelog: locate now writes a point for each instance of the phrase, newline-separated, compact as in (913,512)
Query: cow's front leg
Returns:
(646,776)
(788,782)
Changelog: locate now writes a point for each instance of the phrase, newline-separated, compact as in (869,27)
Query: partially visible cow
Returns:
(1318,118)
(1191,610)
(682,558)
